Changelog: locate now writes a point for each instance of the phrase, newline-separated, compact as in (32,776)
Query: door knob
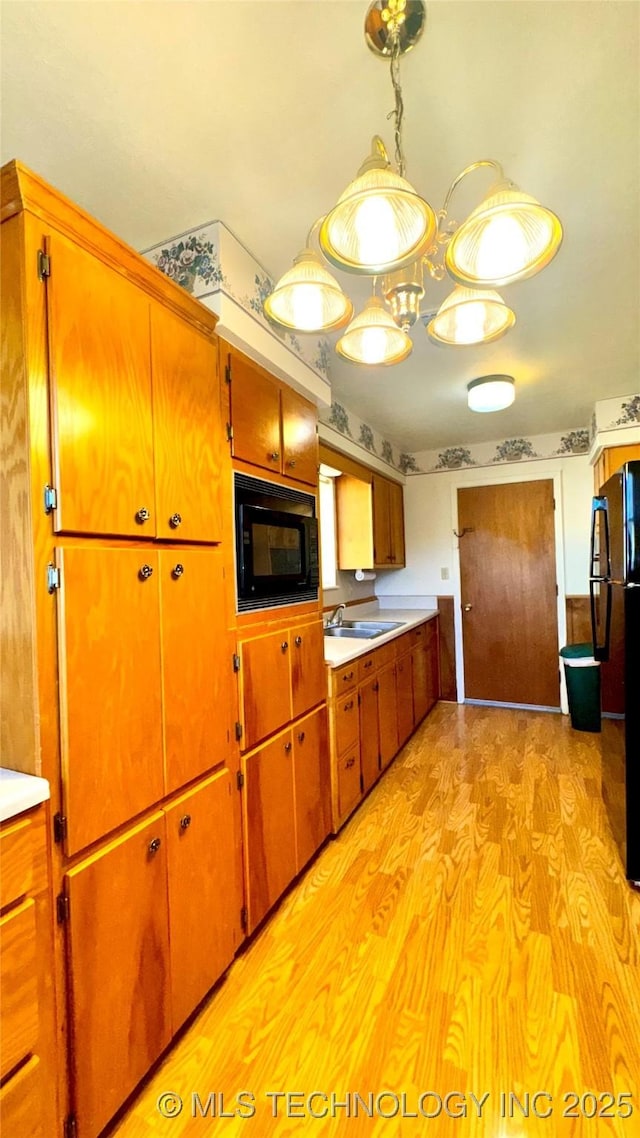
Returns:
(154,845)
(144,572)
(284,645)
(467,608)
(274,455)
(177,570)
(142,515)
(175,520)
(298,641)
(185,821)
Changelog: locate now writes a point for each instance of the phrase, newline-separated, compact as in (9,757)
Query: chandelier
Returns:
(382,228)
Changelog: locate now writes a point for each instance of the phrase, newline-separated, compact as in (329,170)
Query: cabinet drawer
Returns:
(21,1102)
(367,666)
(403,644)
(344,678)
(17,857)
(348,781)
(384,655)
(19,1018)
(345,712)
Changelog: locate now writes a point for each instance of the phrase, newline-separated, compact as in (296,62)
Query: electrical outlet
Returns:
(444,573)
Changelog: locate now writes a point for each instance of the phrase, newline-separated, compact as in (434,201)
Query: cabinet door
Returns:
(613,458)
(396,523)
(346,721)
(349,786)
(109,686)
(369,733)
(21,1102)
(199,698)
(433,669)
(265,683)
(381,525)
(312,785)
(19,985)
(188,432)
(270,848)
(205,890)
(299,437)
(404,692)
(100,374)
(118,970)
(255,414)
(387,714)
(308,682)
(419,663)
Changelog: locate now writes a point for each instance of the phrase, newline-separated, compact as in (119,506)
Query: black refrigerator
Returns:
(615,619)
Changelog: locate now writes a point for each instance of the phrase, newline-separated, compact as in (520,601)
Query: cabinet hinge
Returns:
(227,371)
(53,577)
(361,783)
(244,919)
(359,699)
(59,828)
(62,908)
(239,780)
(50,499)
(229,432)
(70,1126)
(44,264)
(236,662)
(238,730)
(557,594)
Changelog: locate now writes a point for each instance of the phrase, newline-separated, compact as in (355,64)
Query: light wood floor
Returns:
(469,931)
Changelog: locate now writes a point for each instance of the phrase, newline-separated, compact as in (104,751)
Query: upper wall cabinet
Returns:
(370,522)
(611,459)
(135,397)
(273,426)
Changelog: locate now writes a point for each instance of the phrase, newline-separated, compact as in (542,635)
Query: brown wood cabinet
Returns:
(370,522)
(312,785)
(281,677)
(610,460)
(392,687)
(119,969)
(270,838)
(273,426)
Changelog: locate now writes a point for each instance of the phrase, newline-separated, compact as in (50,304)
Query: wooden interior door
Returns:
(265,685)
(312,782)
(205,890)
(270,845)
(387,714)
(109,687)
(509,596)
(299,437)
(199,689)
(308,679)
(100,375)
(369,732)
(255,414)
(188,431)
(118,970)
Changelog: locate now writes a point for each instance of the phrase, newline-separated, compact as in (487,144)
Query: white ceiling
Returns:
(157,116)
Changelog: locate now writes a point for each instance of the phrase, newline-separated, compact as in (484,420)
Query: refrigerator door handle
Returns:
(598,562)
(601,648)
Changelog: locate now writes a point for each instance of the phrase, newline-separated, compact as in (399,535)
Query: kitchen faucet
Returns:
(337,616)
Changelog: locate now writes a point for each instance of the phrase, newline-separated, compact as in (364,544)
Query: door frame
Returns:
(486,477)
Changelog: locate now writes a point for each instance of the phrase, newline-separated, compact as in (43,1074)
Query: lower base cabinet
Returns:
(369,733)
(167,902)
(287,809)
(404,696)
(387,714)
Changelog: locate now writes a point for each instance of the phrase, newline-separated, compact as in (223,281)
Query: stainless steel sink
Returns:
(362,629)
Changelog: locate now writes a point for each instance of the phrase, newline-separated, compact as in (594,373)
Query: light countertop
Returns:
(19,792)
(338,651)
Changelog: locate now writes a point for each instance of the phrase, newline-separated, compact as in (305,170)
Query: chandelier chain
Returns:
(398,112)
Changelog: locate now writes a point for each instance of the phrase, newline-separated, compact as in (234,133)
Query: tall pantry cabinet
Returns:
(116,560)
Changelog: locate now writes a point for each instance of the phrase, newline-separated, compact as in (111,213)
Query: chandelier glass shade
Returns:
(507,238)
(373,338)
(308,298)
(379,223)
(381,226)
(491,393)
(471,316)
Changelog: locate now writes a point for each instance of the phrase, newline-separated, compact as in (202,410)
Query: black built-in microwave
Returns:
(277,558)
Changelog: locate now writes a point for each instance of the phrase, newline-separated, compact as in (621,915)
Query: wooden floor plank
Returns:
(470,931)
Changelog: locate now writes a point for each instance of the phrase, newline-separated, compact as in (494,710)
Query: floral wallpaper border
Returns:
(611,414)
(360,433)
(534,448)
(209,259)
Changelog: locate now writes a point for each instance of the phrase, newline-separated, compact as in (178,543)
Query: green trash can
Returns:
(582,673)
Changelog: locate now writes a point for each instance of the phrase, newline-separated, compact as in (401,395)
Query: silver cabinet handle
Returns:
(142,515)
(185,821)
(274,455)
(154,845)
(175,520)
(298,641)
(287,747)
(177,570)
(144,572)
(284,645)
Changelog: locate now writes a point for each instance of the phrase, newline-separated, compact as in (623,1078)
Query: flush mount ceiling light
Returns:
(381,226)
(491,393)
